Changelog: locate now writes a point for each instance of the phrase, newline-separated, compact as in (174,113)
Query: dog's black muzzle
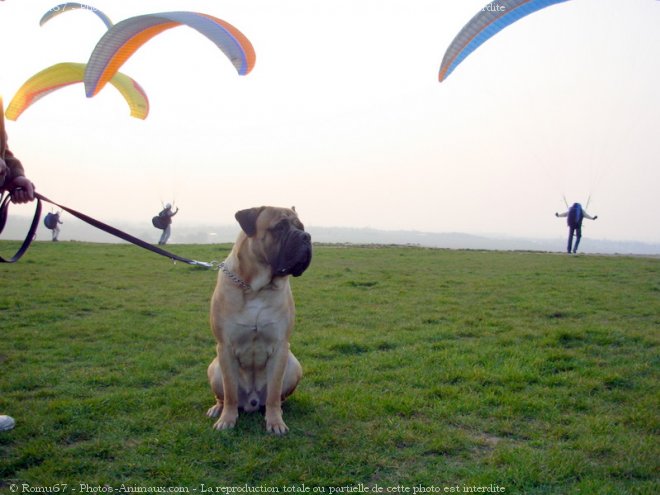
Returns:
(295,253)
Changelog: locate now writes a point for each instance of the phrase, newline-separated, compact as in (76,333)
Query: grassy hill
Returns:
(433,371)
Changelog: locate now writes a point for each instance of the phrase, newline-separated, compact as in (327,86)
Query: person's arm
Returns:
(4,171)
(14,165)
(586,215)
(565,214)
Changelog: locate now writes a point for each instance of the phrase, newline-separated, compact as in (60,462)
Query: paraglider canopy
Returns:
(489,21)
(124,38)
(64,74)
(63,7)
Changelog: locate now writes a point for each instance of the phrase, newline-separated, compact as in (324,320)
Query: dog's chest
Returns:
(255,333)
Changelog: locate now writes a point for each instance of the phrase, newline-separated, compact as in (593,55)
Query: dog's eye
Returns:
(280,227)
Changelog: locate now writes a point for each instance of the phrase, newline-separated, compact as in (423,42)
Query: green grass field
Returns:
(426,371)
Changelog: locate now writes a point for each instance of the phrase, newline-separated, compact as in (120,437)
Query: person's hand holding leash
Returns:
(21,189)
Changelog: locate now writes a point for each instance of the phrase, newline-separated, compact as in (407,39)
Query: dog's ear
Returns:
(247,219)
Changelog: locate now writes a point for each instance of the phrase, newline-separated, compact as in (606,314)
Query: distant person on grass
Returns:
(13,181)
(53,222)
(574,217)
(167,215)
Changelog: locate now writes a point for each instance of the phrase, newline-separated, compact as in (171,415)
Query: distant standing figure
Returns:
(167,215)
(574,217)
(52,222)
(56,230)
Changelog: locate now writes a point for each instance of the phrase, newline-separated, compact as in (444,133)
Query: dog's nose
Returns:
(254,402)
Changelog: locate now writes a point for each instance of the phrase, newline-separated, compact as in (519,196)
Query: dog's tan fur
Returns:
(254,365)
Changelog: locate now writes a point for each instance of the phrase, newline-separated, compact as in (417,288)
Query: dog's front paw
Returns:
(214,411)
(224,425)
(278,428)
(227,421)
(275,424)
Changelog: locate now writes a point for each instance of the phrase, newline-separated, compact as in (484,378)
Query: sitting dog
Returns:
(252,315)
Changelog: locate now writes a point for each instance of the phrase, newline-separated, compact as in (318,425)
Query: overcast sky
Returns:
(343,116)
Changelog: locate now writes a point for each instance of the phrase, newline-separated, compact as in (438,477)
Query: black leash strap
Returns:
(4,211)
(99,225)
(123,235)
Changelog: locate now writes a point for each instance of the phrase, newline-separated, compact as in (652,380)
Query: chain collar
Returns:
(233,277)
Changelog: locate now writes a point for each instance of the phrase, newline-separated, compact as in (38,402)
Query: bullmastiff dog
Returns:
(252,315)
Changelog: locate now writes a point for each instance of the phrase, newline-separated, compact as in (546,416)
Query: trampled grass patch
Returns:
(423,368)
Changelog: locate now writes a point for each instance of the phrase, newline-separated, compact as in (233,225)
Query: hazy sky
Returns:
(343,116)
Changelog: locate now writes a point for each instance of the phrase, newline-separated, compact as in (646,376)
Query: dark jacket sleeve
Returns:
(15,166)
